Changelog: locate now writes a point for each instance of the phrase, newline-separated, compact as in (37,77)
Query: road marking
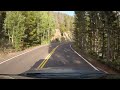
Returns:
(47,58)
(21,54)
(103,70)
(7,77)
(84,59)
(10,77)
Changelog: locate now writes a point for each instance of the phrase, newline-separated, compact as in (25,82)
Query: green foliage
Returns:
(97,33)
(28,28)
(14,26)
(21,29)
(63,22)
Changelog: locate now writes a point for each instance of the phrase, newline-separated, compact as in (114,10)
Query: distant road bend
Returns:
(54,55)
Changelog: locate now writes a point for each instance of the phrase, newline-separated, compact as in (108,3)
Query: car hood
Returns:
(62,70)
(58,73)
(64,73)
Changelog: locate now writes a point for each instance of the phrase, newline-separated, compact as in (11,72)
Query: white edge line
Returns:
(10,77)
(103,71)
(84,59)
(22,54)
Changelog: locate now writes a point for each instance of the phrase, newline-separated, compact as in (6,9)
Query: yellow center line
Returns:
(43,61)
(47,58)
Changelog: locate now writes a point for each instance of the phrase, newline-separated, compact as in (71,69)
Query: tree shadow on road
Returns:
(51,63)
(56,60)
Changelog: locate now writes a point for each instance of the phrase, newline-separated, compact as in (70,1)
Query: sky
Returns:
(71,13)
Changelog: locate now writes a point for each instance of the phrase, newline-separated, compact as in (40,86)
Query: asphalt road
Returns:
(62,56)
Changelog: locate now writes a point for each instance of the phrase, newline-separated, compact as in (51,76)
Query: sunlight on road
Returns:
(76,61)
(67,55)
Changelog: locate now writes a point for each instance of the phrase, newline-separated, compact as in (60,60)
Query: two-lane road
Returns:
(54,55)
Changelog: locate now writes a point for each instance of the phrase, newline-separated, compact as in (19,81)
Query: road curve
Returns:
(63,56)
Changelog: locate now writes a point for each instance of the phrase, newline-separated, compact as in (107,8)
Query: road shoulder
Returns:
(96,63)
(19,53)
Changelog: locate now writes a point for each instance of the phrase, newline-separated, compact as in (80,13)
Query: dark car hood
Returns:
(58,73)
(64,73)
(62,70)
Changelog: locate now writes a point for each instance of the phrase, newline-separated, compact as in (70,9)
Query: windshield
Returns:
(59,43)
